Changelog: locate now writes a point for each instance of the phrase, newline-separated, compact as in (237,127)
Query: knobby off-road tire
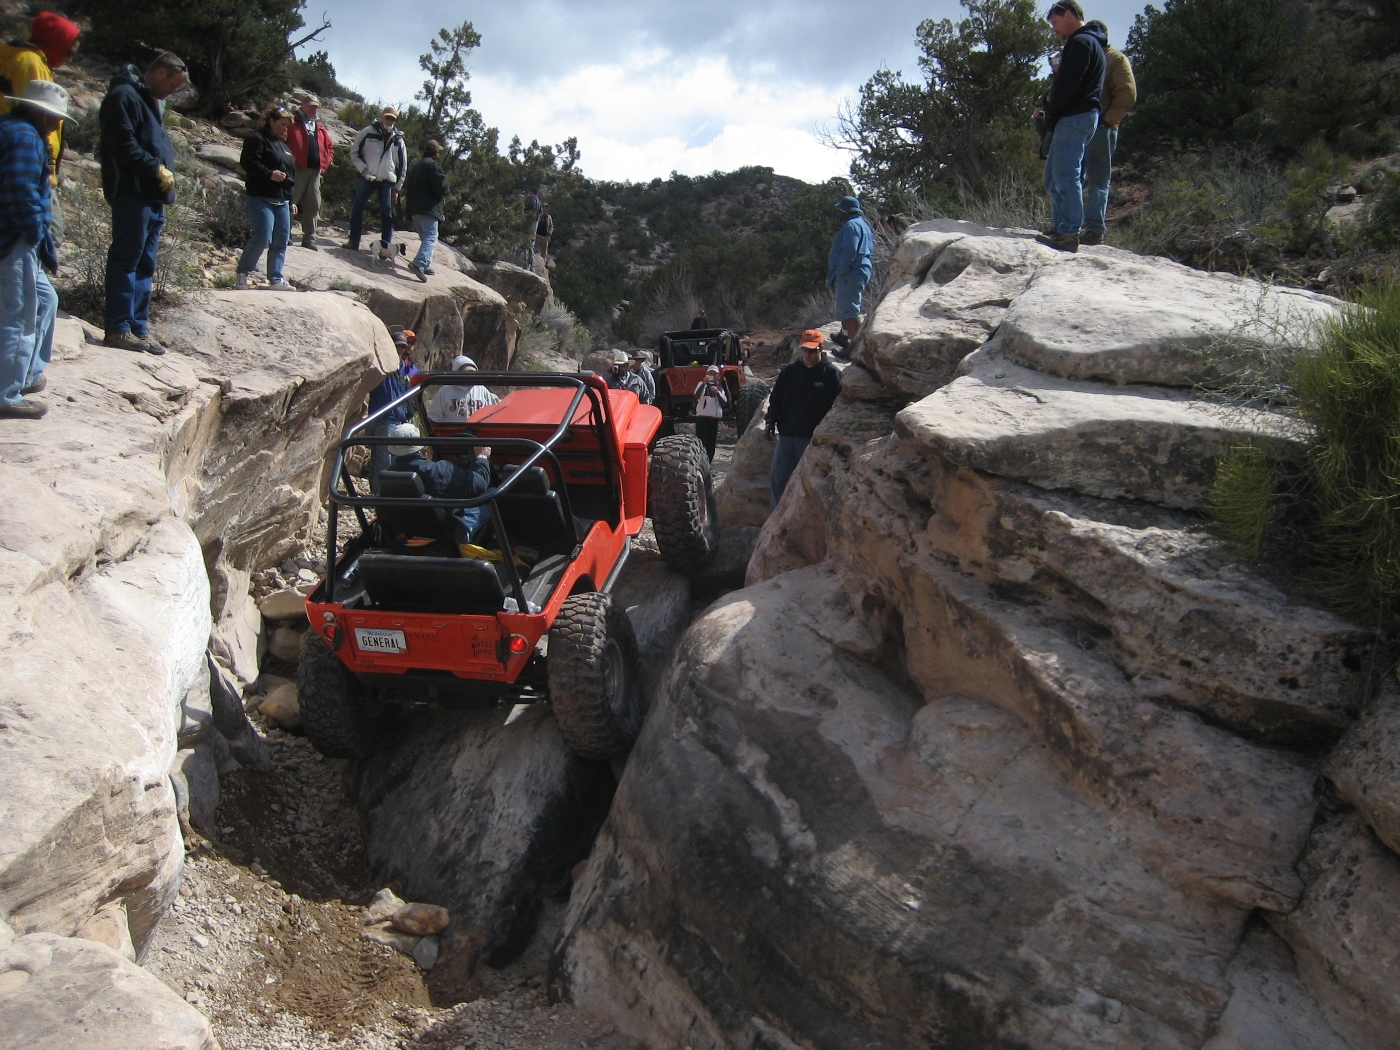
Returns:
(594,686)
(337,716)
(750,396)
(681,498)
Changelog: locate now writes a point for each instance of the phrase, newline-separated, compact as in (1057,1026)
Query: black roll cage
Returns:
(600,417)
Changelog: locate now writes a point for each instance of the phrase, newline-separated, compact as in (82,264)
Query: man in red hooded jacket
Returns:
(313,151)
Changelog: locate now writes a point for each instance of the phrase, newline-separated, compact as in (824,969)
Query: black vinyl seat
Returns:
(408,528)
(533,514)
(409,583)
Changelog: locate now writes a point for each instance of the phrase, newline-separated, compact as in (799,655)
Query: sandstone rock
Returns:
(382,907)
(223,156)
(1269,1006)
(731,561)
(420,919)
(520,286)
(195,777)
(1343,932)
(657,601)
(451,314)
(108,926)
(1124,318)
(282,706)
(237,640)
(196,712)
(232,723)
(288,604)
(743,496)
(1365,766)
(382,933)
(1141,443)
(285,644)
(61,992)
(484,817)
(426,954)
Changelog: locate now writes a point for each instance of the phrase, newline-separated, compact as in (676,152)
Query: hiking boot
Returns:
(152,345)
(23,409)
(352,244)
(279,285)
(240,283)
(125,341)
(842,340)
(1061,242)
(307,242)
(1089,237)
(414,269)
(37,385)
(430,271)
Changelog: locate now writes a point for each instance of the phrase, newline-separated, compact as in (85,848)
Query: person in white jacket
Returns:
(455,404)
(380,155)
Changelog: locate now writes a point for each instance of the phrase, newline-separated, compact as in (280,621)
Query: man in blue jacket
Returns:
(848,267)
(1072,115)
(393,387)
(138,181)
(28,304)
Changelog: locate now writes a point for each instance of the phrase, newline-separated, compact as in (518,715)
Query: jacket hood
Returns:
(1094,31)
(130,76)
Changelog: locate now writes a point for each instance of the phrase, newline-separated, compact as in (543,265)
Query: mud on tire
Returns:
(746,403)
(337,716)
(594,686)
(681,500)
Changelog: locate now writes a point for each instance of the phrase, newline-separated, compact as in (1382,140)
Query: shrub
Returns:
(1381,225)
(1332,508)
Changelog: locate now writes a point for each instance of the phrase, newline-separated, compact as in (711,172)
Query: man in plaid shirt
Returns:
(28,303)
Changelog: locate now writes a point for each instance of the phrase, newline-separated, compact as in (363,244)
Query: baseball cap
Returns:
(404,430)
(713,369)
(812,338)
(389,111)
(306,98)
(400,340)
(463,363)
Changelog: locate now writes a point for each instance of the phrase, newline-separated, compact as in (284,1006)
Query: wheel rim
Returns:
(614,676)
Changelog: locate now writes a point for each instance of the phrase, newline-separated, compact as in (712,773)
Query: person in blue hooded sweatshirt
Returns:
(848,267)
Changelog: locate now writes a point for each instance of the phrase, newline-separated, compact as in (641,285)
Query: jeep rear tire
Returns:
(751,395)
(335,713)
(594,687)
(681,498)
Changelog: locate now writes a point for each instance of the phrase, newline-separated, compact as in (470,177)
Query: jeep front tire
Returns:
(594,687)
(681,498)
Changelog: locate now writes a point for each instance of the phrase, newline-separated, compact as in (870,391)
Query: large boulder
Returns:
(521,287)
(451,314)
(743,496)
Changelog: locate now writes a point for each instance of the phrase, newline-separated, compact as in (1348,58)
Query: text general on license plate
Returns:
(380,641)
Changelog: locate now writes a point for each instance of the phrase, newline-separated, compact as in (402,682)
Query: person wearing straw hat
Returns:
(28,303)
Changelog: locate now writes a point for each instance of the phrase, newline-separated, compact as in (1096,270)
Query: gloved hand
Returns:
(165,178)
(770,430)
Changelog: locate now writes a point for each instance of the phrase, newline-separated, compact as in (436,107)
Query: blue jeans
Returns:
(364,189)
(131,263)
(270,227)
(427,228)
(28,306)
(467,522)
(1064,179)
(1098,167)
(785,458)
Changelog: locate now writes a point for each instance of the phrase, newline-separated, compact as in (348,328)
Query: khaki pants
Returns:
(306,195)
(542,247)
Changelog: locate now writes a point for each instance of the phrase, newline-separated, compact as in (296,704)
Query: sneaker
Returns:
(37,385)
(240,283)
(1061,242)
(279,285)
(417,272)
(430,271)
(152,345)
(1090,237)
(125,341)
(23,409)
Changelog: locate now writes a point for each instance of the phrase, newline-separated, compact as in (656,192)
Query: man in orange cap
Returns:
(804,393)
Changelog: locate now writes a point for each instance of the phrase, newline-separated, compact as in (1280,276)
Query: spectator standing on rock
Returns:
(544,230)
(455,404)
(699,321)
(446,479)
(394,386)
(1072,115)
(138,182)
(53,41)
(1119,96)
(380,155)
(642,372)
(804,393)
(848,267)
(270,176)
(425,190)
(710,400)
(28,304)
(313,150)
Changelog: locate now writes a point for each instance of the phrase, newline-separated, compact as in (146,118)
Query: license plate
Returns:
(371,641)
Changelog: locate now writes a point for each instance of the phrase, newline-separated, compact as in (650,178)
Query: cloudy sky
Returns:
(651,88)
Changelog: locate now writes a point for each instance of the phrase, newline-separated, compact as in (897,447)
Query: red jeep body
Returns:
(592,444)
(684,358)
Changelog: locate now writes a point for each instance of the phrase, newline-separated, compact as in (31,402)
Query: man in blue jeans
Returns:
(1119,96)
(424,190)
(28,304)
(380,157)
(138,182)
(802,396)
(1072,114)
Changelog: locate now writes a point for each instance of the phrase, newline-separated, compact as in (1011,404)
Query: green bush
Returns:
(1381,226)
(1331,509)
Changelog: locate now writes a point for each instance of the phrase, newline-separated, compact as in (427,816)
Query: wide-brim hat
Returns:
(848,204)
(46,95)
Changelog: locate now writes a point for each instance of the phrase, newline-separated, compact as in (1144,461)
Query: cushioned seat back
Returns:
(401,525)
(464,586)
(534,515)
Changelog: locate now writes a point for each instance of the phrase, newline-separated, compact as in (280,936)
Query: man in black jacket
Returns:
(138,182)
(1072,114)
(801,398)
(425,190)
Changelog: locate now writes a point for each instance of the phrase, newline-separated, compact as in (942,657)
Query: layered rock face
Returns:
(1000,748)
